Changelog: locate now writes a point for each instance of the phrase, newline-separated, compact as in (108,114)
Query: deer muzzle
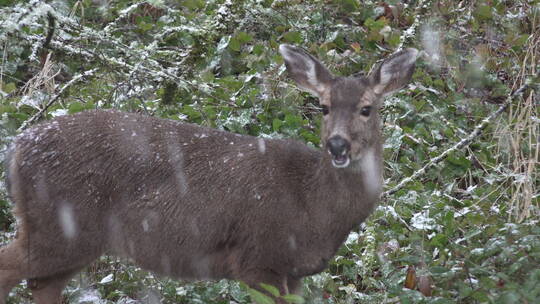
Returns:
(340,149)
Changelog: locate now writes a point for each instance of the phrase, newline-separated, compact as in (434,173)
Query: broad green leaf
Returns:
(276,124)
(75,107)
(292,298)
(243,37)
(9,87)
(260,298)
(271,289)
(234,44)
(484,12)
(293,37)
(438,269)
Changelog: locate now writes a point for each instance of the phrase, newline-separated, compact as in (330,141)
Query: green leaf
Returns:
(293,37)
(7,109)
(271,289)
(9,87)
(276,124)
(440,240)
(292,298)
(194,4)
(243,37)
(459,161)
(258,49)
(484,12)
(260,298)
(234,44)
(349,6)
(75,107)
(144,26)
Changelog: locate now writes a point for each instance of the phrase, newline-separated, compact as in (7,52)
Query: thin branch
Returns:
(411,31)
(40,113)
(461,144)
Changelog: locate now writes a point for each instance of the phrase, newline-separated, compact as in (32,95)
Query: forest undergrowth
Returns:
(459,218)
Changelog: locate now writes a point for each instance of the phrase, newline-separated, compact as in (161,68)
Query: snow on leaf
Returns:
(90,296)
(422,222)
(108,279)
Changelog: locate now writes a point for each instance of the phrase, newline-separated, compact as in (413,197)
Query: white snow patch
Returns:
(108,279)
(352,238)
(462,212)
(90,296)
(59,112)
(435,252)
(422,222)
(388,210)
(477,251)
(181,291)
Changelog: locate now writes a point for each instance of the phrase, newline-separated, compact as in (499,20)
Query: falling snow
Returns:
(261,145)
(66,217)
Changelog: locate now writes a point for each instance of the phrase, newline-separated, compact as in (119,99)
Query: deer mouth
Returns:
(341,161)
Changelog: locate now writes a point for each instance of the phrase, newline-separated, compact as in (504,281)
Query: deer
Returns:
(195,203)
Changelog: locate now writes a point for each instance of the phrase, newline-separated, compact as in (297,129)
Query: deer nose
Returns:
(338,146)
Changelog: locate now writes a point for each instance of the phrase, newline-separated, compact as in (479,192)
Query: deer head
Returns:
(350,105)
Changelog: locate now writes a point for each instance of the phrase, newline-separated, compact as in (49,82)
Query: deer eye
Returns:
(325,110)
(365,111)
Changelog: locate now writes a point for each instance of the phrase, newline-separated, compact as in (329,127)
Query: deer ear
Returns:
(308,72)
(394,72)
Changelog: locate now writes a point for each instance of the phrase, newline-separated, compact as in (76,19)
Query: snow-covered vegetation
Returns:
(459,218)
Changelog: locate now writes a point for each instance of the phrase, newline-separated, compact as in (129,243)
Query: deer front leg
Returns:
(11,268)
(49,290)
(8,280)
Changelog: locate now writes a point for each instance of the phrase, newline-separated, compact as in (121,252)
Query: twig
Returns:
(55,98)
(463,143)
(408,33)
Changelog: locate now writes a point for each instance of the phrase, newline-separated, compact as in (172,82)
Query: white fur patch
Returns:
(371,173)
(311,73)
(385,76)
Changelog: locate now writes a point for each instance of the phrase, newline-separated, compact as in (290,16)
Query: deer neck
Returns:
(360,182)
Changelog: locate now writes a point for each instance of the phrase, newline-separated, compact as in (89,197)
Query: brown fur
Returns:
(182,200)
